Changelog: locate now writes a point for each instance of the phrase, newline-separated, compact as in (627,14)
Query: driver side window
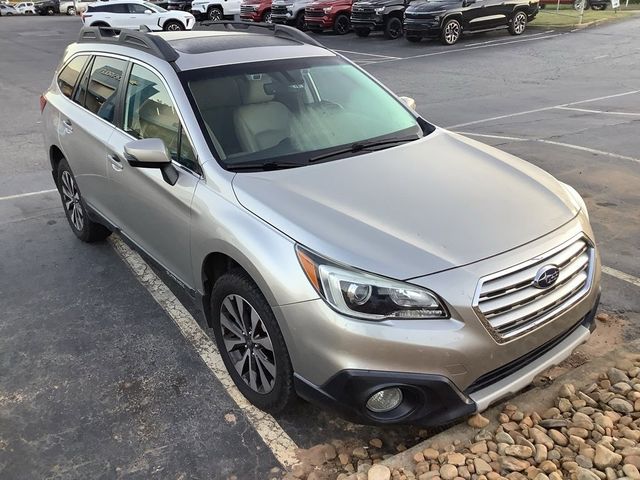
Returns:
(149,112)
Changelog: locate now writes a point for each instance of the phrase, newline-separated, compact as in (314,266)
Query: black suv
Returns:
(47,7)
(448,19)
(385,15)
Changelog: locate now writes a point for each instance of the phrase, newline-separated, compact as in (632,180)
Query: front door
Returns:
(150,211)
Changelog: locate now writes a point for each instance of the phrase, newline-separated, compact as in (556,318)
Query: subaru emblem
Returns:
(546,276)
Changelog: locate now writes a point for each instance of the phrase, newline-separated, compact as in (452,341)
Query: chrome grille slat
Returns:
(526,275)
(510,304)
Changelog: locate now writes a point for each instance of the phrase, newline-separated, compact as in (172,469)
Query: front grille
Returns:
(509,303)
(313,13)
(363,13)
(278,9)
(246,9)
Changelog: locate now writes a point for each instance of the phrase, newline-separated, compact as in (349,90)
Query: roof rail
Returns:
(153,44)
(282,31)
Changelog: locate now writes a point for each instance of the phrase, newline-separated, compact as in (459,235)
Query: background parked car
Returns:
(184,5)
(7,10)
(290,12)
(329,15)
(25,8)
(385,15)
(132,14)
(215,9)
(47,7)
(447,19)
(256,11)
(68,7)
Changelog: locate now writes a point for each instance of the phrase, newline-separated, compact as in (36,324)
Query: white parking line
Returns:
(553,142)
(502,39)
(542,109)
(466,49)
(367,54)
(621,275)
(30,194)
(604,112)
(276,439)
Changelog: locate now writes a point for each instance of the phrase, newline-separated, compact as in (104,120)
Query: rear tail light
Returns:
(43,103)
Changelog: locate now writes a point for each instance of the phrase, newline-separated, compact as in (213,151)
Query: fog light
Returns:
(385,400)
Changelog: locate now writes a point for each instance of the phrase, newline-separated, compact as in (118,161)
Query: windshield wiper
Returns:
(263,166)
(359,146)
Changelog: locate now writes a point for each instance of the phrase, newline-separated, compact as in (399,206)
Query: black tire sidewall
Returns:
(338,20)
(444,28)
(239,283)
(83,234)
(387,28)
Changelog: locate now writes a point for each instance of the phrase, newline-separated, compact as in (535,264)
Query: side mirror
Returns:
(148,12)
(151,153)
(409,102)
(466,3)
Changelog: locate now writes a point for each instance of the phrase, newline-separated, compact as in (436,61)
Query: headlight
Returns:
(327,10)
(577,199)
(363,295)
(379,10)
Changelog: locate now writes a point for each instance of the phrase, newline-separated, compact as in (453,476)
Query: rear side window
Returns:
(101,87)
(117,8)
(69,75)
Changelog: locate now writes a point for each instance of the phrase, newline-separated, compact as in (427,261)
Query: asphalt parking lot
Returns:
(102,373)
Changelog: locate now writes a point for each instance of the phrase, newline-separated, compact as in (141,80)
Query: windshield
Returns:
(294,111)
(153,8)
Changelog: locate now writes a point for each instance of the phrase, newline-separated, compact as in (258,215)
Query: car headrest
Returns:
(257,89)
(216,92)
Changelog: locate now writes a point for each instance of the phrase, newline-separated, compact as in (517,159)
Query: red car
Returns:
(329,15)
(255,11)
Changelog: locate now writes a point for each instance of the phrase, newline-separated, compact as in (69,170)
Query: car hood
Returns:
(426,6)
(377,3)
(419,208)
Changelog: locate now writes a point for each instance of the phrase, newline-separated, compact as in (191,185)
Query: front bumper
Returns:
(250,17)
(319,23)
(427,27)
(433,400)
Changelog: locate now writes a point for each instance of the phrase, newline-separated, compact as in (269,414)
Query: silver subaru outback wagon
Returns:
(345,249)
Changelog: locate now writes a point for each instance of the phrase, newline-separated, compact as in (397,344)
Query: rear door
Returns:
(150,211)
(483,14)
(86,123)
(137,16)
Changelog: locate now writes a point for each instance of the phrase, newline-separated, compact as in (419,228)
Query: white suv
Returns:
(215,10)
(135,13)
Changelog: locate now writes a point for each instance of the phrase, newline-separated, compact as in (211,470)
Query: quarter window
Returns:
(102,89)
(149,112)
(69,75)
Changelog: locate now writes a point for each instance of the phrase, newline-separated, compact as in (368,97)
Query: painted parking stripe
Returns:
(367,54)
(542,109)
(621,275)
(502,39)
(603,112)
(466,49)
(30,194)
(276,439)
(553,142)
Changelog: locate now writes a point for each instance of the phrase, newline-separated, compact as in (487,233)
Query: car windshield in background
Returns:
(292,112)
(154,8)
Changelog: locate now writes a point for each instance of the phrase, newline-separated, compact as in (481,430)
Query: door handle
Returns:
(68,126)
(116,163)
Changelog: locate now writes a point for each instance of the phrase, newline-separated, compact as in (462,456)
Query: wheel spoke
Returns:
(266,363)
(231,342)
(240,364)
(230,308)
(252,374)
(231,325)
(264,380)
(264,342)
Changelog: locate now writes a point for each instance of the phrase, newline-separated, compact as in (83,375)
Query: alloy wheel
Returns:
(71,11)
(342,25)
(267,17)
(173,27)
(71,199)
(519,23)
(579,4)
(452,32)
(215,15)
(248,343)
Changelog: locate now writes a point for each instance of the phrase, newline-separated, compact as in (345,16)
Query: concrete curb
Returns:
(539,399)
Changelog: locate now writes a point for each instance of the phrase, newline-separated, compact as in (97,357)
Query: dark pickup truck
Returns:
(378,15)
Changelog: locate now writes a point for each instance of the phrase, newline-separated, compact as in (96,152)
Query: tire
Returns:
(578,3)
(266,16)
(362,32)
(173,26)
(413,38)
(451,32)
(243,350)
(71,11)
(214,14)
(393,28)
(75,208)
(299,22)
(342,24)
(600,7)
(518,23)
